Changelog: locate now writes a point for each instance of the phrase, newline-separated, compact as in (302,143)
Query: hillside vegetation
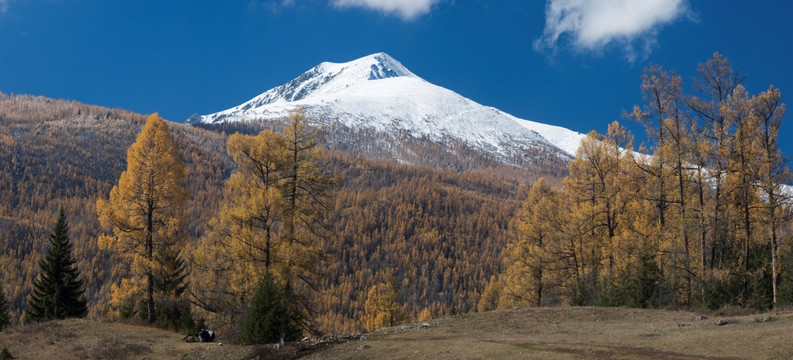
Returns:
(706,221)
(441,231)
(57,153)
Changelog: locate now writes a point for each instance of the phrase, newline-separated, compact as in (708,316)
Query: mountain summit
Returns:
(379,94)
(327,78)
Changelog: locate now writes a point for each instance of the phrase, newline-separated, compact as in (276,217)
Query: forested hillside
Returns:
(441,232)
(60,153)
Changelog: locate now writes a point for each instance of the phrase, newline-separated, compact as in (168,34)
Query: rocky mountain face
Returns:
(376,107)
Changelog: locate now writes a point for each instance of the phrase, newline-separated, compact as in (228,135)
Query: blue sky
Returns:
(572,63)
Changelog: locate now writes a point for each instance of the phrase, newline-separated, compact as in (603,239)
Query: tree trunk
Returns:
(774,245)
(539,288)
(538,276)
(748,234)
(703,234)
(150,255)
(684,228)
(718,238)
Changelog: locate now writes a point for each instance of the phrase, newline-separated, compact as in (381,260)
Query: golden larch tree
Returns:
(146,207)
(773,174)
(741,180)
(382,304)
(272,222)
(667,174)
(305,194)
(532,255)
(244,241)
(716,81)
(490,298)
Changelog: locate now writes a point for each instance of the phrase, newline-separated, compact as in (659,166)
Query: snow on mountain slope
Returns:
(563,138)
(377,92)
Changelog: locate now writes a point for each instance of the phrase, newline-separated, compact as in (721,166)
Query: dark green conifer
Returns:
(171,278)
(58,292)
(170,282)
(5,318)
(269,319)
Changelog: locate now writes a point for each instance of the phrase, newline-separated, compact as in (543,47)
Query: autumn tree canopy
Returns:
(145,210)
(699,220)
(271,225)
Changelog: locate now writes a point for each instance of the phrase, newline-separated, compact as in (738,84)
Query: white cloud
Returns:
(594,24)
(405,9)
(3,6)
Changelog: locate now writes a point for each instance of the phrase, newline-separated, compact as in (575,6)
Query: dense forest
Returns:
(441,231)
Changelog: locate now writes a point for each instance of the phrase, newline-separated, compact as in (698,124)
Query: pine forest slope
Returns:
(442,231)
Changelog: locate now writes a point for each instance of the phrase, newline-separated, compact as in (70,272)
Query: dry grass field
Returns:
(93,339)
(535,333)
(576,333)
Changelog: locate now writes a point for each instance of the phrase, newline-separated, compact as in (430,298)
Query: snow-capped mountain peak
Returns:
(377,92)
(329,77)
(373,67)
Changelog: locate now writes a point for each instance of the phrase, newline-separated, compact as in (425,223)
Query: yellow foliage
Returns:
(491,296)
(146,208)
(125,294)
(271,222)
(539,230)
(382,306)
(425,315)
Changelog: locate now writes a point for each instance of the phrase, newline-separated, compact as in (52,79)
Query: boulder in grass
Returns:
(763,319)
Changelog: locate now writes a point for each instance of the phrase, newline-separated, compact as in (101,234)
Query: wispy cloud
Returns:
(3,6)
(591,25)
(405,9)
(272,5)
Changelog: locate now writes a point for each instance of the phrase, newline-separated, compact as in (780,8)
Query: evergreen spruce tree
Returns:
(58,292)
(171,278)
(170,282)
(5,319)
(269,319)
